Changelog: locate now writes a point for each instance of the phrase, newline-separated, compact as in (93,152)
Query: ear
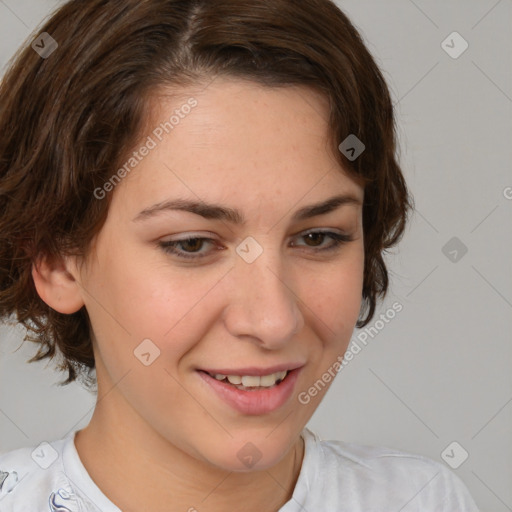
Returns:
(56,285)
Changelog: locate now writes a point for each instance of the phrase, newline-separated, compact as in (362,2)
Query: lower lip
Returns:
(260,401)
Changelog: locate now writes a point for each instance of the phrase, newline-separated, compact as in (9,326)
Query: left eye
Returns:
(317,237)
(191,246)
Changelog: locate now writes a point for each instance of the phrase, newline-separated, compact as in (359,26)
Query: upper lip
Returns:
(253,370)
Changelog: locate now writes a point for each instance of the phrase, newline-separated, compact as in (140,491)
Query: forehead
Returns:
(235,136)
(234,108)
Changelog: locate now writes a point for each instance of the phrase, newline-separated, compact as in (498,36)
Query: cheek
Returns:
(177,299)
(334,306)
(129,300)
(150,298)
(335,298)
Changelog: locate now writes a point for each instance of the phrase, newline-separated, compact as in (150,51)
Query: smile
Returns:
(247,382)
(252,394)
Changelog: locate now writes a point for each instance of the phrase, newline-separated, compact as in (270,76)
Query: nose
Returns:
(262,304)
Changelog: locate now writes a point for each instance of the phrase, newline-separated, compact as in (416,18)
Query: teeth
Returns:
(281,375)
(252,381)
(249,381)
(267,380)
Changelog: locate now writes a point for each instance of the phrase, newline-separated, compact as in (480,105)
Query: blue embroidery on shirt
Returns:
(55,503)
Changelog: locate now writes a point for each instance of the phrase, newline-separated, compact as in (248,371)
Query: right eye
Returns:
(190,247)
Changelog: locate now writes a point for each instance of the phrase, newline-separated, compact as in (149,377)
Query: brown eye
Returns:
(315,240)
(187,247)
(192,244)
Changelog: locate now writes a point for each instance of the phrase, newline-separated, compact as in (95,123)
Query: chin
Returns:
(244,454)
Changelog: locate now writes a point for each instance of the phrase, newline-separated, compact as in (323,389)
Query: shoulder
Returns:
(375,474)
(33,478)
(375,460)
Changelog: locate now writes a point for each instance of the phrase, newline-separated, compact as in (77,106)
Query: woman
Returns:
(196,197)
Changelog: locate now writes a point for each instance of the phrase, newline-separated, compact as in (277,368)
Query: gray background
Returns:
(440,371)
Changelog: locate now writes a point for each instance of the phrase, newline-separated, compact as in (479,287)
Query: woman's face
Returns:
(252,294)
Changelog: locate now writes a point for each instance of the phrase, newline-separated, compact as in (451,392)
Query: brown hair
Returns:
(68,119)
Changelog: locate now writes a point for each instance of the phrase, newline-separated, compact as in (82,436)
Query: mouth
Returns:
(252,391)
(251,382)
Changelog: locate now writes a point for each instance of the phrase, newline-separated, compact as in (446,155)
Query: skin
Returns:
(264,152)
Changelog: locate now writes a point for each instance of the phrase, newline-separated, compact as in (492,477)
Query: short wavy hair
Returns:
(68,120)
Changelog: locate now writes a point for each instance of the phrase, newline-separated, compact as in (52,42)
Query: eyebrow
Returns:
(218,212)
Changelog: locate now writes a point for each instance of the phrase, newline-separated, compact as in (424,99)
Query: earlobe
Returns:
(56,286)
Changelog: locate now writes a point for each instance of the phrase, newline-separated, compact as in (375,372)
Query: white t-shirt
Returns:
(335,477)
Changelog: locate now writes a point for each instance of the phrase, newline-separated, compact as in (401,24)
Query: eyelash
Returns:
(338,239)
